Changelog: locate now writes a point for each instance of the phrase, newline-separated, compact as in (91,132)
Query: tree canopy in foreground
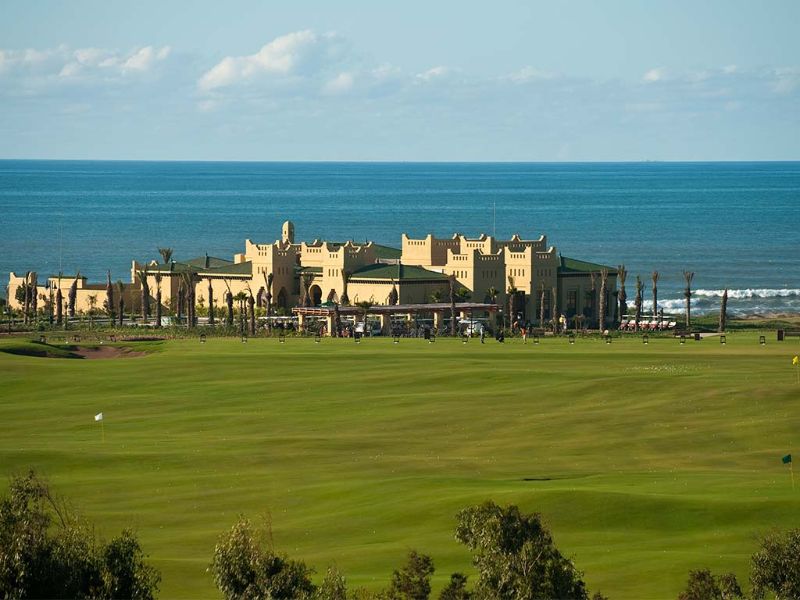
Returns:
(46,551)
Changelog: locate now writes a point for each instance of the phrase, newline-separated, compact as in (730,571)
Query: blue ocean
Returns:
(736,225)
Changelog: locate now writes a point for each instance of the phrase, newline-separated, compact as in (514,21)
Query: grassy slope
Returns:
(660,458)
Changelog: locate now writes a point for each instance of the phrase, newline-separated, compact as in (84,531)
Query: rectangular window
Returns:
(572,302)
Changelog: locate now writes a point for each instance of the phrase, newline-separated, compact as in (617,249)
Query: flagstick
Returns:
(791,470)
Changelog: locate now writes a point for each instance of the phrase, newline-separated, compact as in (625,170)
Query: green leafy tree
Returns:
(243,568)
(413,580)
(704,585)
(515,555)
(47,552)
(456,589)
(775,567)
(333,587)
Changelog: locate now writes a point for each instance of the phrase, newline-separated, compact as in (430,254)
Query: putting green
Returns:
(645,460)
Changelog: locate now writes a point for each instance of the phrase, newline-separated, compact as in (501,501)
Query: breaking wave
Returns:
(744,302)
(749,293)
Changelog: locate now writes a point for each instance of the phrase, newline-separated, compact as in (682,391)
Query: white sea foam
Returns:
(749,293)
(740,302)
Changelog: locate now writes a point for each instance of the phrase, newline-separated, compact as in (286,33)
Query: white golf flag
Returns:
(98,417)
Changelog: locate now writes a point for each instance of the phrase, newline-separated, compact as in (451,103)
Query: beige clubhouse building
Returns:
(418,272)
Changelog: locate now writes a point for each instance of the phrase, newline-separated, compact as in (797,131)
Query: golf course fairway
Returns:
(645,460)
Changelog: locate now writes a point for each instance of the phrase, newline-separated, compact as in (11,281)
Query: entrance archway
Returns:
(315,294)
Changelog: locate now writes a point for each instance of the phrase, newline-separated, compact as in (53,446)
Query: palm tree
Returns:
(166,254)
(50,302)
(229,302)
(655,276)
(158,299)
(337,322)
(145,294)
(92,299)
(109,303)
(511,300)
(251,310)
(393,295)
(687,293)
(26,299)
(59,303)
(181,299)
(73,296)
(452,281)
(541,306)
(723,311)
(240,298)
(120,302)
(622,297)
(638,302)
(577,320)
(34,293)
(186,296)
(364,305)
(491,294)
(554,294)
(268,297)
(345,299)
(305,297)
(601,313)
(211,319)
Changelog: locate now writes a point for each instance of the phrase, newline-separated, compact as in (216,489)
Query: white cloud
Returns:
(654,75)
(786,79)
(340,84)
(433,73)
(529,73)
(293,54)
(65,64)
(145,58)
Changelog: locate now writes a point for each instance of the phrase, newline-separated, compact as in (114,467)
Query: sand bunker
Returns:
(104,352)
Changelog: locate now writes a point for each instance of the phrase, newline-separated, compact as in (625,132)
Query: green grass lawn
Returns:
(645,460)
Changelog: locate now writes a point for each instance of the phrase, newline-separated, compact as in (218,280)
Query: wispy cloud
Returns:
(297,54)
(310,87)
(65,64)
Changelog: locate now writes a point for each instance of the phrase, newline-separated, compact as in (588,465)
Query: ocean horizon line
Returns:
(405,162)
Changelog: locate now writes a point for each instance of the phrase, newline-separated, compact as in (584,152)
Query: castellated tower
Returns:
(287,232)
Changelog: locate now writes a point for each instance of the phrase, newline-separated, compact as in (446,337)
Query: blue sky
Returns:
(528,81)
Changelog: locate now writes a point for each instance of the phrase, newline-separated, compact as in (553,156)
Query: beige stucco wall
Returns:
(478,264)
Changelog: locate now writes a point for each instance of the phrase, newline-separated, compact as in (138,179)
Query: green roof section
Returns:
(398,272)
(194,264)
(173,267)
(208,262)
(387,252)
(235,269)
(573,265)
(309,270)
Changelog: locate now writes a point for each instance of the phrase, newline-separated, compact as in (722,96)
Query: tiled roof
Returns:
(398,272)
(573,265)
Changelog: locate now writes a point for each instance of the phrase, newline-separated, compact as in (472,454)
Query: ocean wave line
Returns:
(749,293)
